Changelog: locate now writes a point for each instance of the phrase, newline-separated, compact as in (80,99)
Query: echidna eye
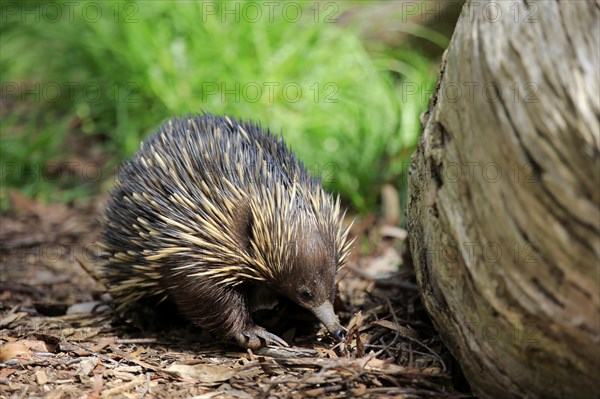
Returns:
(306,295)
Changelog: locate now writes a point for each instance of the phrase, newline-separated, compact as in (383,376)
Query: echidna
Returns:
(219,216)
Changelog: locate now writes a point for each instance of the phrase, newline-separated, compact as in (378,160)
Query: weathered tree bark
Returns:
(504,214)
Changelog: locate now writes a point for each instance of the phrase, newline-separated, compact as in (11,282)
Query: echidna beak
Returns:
(339,334)
(327,316)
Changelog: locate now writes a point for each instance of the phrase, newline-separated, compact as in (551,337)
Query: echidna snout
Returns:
(327,316)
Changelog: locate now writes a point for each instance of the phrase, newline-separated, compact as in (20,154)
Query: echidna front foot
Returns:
(255,337)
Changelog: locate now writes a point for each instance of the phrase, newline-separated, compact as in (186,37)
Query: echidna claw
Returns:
(256,337)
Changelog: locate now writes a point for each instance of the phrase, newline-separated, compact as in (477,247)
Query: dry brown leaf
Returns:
(202,372)
(136,353)
(11,318)
(86,366)
(21,350)
(327,353)
(385,366)
(123,387)
(103,343)
(122,375)
(282,352)
(129,369)
(209,395)
(395,327)
(41,377)
(57,393)
(97,384)
(5,372)
(360,347)
(355,321)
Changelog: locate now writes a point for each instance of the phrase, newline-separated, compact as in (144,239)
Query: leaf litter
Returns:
(61,338)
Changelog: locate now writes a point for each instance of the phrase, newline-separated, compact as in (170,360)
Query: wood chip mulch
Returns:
(60,336)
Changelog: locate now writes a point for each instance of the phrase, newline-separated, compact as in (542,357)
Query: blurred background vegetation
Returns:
(344,82)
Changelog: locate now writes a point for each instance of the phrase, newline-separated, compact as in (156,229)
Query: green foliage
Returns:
(340,108)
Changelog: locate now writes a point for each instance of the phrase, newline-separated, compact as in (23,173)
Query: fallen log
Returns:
(503,211)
